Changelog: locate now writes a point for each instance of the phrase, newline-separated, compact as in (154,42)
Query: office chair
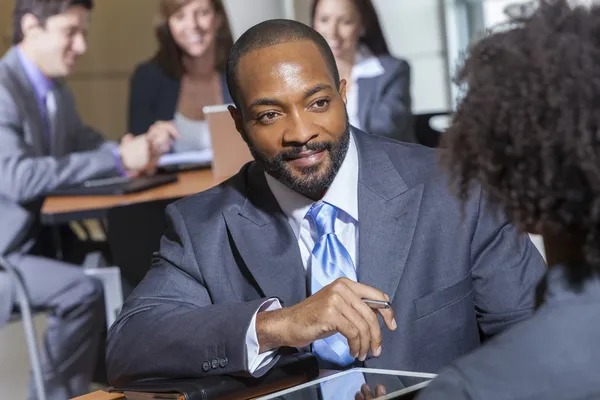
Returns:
(134,233)
(426,134)
(26,316)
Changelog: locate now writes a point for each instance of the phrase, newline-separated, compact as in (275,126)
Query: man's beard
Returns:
(311,183)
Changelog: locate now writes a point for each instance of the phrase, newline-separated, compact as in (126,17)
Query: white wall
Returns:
(243,14)
(414,31)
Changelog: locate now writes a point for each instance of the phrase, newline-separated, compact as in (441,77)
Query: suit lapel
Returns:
(388,211)
(29,105)
(266,242)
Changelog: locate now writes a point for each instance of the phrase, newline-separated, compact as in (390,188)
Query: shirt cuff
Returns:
(118,161)
(254,359)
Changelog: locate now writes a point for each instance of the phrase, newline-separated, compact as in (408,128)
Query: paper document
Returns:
(188,157)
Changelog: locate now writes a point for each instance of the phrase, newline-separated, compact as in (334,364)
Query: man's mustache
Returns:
(295,152)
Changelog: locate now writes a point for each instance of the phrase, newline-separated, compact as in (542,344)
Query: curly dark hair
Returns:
(528,126)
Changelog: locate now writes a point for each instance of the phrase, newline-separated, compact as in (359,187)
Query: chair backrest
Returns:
(426,134)
(134,234)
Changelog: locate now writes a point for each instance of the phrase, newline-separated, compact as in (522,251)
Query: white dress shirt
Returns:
(366,65)
(343,194)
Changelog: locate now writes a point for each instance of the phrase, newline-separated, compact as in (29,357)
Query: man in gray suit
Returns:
(547,148)
(283,254)
(44,145)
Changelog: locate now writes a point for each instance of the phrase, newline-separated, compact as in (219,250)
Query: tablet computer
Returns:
(345,384)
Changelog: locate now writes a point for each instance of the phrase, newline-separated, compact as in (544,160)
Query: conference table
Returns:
(65,209)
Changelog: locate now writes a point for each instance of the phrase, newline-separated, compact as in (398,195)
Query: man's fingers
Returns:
(351,333)
(368,292)
(366,392)
(388,318)
(372,323)
(347,310)
(127,138)
(166,130)
(368,320)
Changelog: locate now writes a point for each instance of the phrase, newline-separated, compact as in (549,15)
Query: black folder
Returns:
(291,370)
(115,186)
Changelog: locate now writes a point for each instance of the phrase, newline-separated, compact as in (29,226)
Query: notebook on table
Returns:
(186,161)
(114,186)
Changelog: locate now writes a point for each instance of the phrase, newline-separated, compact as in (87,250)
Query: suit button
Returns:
(223,362)
(215,363)
(206,366)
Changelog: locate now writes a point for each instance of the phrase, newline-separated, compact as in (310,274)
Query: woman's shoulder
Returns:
(149,69)
(391,63)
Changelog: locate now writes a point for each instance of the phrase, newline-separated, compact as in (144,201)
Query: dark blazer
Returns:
(553,355)
(450,279)
(384,101)
(153,96)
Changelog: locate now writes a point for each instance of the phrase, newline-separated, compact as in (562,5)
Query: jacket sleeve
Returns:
(182,330)
(506,269)
(391,116)
(25,176)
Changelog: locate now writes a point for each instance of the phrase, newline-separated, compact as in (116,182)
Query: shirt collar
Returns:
(366,65)
(41,84)
(343,192)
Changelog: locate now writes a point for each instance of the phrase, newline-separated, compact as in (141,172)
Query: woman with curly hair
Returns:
(528,131)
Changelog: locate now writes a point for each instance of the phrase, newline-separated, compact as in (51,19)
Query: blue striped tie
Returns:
(330,261)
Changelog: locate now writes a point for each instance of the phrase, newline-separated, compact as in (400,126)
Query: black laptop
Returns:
(115,186)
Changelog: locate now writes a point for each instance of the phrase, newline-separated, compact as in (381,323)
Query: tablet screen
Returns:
(345,385)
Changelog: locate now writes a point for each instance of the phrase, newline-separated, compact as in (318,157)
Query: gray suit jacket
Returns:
(449,279)
(27,171)
(554,355)
(384,102)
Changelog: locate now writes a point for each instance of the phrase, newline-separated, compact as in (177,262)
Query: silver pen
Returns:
(377,304)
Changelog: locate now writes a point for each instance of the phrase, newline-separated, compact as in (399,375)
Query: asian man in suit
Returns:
(282,254)
(45,145)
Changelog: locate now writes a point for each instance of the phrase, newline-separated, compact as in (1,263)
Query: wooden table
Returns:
(63,209)
(101,395)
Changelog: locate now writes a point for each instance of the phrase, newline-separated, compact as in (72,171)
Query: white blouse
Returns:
(195,134)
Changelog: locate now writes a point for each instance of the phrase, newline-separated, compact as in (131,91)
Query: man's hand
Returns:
(162,134)
(338,307)
(367,394)
(136,154)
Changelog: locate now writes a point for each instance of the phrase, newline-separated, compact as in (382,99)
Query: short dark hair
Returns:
(373,37)
(270,33)
(42,10)
(528,126)
(169,54)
